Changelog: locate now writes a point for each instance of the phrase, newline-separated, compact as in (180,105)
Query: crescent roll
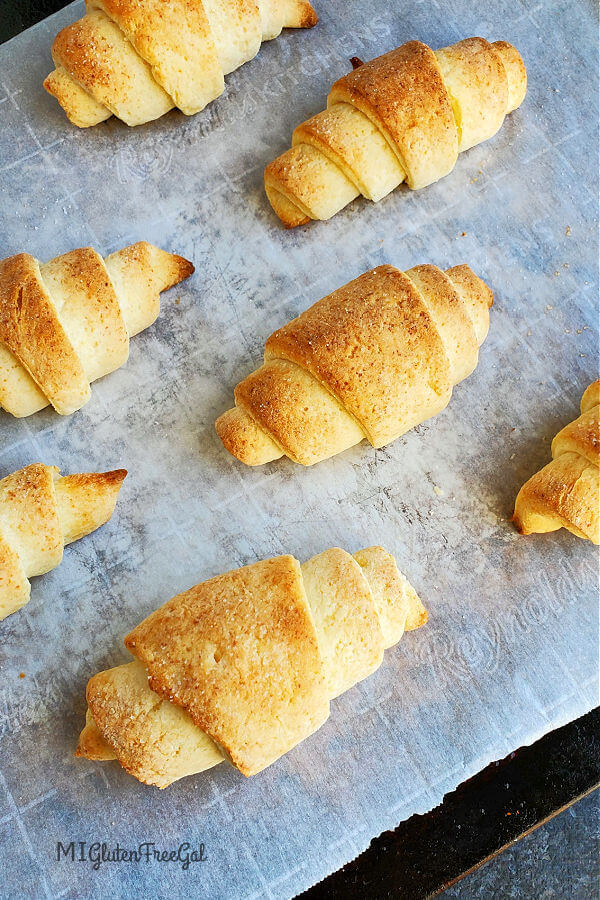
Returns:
(137,59)
(243,667)
(67,322)
(565,493)
(372,360)
(40,512)
(404,116)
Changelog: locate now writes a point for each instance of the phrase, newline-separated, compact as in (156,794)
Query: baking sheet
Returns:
(510,650)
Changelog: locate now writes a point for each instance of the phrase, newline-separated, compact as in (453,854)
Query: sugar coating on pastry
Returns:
(243,667)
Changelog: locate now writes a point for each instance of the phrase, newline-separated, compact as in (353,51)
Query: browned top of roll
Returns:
(240,654)
(30,328)
(374,346)
(403,93)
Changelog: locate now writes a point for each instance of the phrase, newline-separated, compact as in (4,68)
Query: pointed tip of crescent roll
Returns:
(244,439)
(301,14)
(139,273)
(518,522)
(516,73)
(86,501)
(91,744)
(154,740)
(286,14)
(80,107)
(399,607)
(532,514)
(288,212)
(167,269)
(476,295)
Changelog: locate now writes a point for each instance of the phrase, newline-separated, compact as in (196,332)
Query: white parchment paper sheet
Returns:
(510,650)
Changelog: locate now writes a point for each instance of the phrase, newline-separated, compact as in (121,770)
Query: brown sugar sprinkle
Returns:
(356,61)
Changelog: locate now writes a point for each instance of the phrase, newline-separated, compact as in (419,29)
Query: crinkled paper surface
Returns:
(510,650)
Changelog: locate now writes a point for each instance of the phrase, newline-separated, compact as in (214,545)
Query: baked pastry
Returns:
(68,322)
(242,667)
(565,493)
(40,512)
(373,359)
(401,117)
(137,59)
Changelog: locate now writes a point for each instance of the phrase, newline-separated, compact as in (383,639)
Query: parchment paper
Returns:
(510,650)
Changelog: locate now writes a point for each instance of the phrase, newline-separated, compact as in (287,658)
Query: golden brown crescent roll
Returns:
(137,59)
(372,360)
(40,512)
(404,116)
(242,667)
(67,322)
(566,493)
